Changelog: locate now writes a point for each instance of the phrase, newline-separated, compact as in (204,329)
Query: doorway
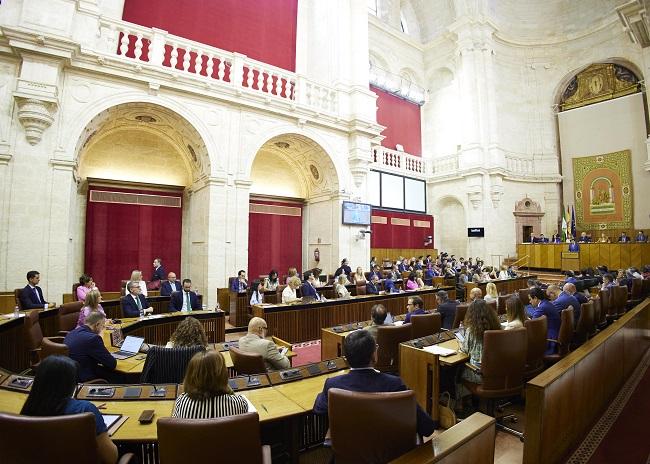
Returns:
(527,233)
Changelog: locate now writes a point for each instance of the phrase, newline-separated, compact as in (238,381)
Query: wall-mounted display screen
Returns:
(476,231)
(356,213)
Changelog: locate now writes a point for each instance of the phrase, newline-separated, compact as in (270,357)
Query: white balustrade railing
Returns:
(399,161)
(155,47)
(520,166)
(445,164)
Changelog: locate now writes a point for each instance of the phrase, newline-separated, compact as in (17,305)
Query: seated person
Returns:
(404,266)
(389,286)
(376,271)
(190,332)
(134,304)
(556,238)
(31,296)
(542,307)
(378,315)
(571,289)
(491,293)
(170,285)
(584,238)
(86,284)
(361,353)
(87,348)
(446,308)
(641,237)
(308,289)
(395,274)
(478,319)
(92,304)
(206,393)
(608,281)
(623,238)
(358,277)
(414,305)
(317,283)
(419,274)
(562,300)
(185,300)
(411,284)
(255,342)
(340,289)
(257,295)
(292,272)
(603,238)
(372,287)
(503,273)
(272,281)
(475,294)
(542,239)
(52,395)
(570,277)
(136,276)
(344,268)
(289,292)
(515,313)
(240,284)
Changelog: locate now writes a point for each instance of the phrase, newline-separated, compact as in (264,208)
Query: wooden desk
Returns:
(304,392)
(303,322)
(239,305)
(420,371)
(612,255)
(504,286)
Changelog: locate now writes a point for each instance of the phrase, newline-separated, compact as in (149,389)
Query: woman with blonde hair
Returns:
(359,277)
(189,332)
(136,276)
(92,304)
(206,393)
(289,292)
(418,278)
(491,293)
(292,272)
(340,288)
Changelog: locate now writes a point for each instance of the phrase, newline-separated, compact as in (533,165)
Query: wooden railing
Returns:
(527,265)
(564,402)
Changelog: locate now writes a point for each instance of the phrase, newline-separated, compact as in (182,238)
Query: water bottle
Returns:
(218,307)
(204,307)
(16,311)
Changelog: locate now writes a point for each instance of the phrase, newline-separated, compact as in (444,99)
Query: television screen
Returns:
(356,213)
(476,232)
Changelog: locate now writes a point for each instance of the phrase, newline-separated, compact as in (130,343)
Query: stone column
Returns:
(5,191)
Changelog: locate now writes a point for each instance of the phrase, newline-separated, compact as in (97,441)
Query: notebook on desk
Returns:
(129,348)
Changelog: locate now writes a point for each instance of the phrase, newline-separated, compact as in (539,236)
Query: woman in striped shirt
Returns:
(206,391)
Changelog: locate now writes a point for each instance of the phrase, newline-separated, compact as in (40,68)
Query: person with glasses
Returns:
(414,306)
(255,342)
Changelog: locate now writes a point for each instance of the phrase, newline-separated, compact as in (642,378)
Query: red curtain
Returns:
(264,30)
(402,121)
(123,237)
(391,235)
(274,240)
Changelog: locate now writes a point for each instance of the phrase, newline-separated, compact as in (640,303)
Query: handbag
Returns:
(447,414)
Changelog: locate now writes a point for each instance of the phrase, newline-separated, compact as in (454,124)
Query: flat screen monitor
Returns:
(476,232)
(356,213)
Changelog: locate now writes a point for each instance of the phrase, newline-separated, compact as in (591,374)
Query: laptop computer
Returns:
(129,348)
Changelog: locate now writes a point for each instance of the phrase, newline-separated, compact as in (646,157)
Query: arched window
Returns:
(599,82)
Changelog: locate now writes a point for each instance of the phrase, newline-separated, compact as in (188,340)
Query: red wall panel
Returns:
(264,30)
(123,237)
(400,236)
(274,241)
(402,121)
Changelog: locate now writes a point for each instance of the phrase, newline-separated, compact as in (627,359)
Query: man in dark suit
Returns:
(562,300)
(376,271)
(158,270)
(87,348)
(623,238)
(414,306)
(542,239)
(446,308)
(170,285)
(307,288)
(240,284)
(185,300)
(641,237)
(361,353)
(372,287)
(31,297)
(134,304)
(571,289)
(584,238)
(573,246)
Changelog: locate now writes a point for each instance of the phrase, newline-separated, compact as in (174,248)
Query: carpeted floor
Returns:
(306,353)
(621,435)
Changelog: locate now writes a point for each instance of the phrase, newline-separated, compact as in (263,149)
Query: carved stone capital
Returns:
(35,115)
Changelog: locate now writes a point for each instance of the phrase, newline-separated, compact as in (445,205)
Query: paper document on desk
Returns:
(251,408)
(440,351)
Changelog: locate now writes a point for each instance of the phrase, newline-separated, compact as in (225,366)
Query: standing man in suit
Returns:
(134,304)
(185,300)
(307,288)
(573,246)
(170,285)
(158,270)
(255,342)
(361,353)
(372,287)
(446,308)
(623,238)
(31,297)
(240,284)
(87,348)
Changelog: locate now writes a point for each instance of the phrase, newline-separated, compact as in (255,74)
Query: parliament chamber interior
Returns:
(310,231)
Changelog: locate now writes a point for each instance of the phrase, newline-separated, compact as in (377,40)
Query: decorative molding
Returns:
(35,116)
(4,159)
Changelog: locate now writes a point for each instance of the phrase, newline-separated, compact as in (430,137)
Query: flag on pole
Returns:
(567,218)
(573,221)
(564,229)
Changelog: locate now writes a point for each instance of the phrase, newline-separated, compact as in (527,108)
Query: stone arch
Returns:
(76,137)
(378,60)
(452,222)
(440,78)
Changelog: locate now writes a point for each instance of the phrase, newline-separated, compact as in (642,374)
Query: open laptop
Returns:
(129,348)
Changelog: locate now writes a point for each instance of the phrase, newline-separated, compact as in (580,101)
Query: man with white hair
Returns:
(562,300)
(255,342)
